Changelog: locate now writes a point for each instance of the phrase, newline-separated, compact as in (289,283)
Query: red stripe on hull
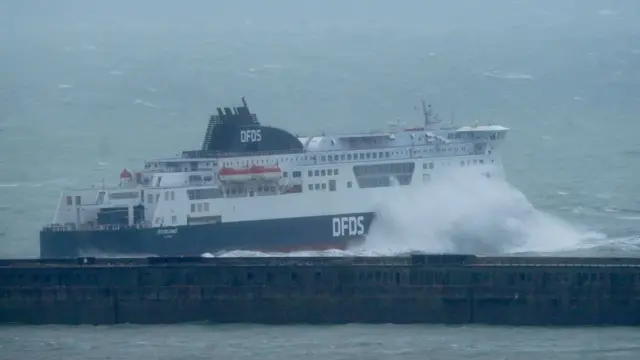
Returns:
(329,245)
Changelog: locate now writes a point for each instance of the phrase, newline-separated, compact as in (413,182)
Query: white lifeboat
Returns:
(265,172)
(232,174)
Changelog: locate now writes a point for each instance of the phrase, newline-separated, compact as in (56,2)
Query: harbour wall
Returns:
(449,289)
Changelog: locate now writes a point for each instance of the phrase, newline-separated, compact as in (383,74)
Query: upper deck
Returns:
(238,133)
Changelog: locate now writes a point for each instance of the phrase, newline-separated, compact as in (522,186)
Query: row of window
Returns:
(200,178)
(324,158)
(430,165)
(200,207)
(124,195)
(70,200)
(157,196)
(324,186)
(469,162)
(350,156)
(169,195)
(382,181)
(266,189)
(243,191)
(295,174)
(322,172)
(201,194)
(395,168)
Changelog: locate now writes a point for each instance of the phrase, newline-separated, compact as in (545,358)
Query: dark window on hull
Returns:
(382,175)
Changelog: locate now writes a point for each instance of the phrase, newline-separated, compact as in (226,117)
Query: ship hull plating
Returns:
(279,235)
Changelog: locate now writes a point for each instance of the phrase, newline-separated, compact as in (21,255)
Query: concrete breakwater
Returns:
(451,289)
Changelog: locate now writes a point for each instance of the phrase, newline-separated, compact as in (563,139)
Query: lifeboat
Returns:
(265,172)
(231,174)
(126,175)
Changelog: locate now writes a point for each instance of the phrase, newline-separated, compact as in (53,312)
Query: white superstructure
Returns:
(253,176)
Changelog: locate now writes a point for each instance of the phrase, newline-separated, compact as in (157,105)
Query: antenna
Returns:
(429,117)
(426,113)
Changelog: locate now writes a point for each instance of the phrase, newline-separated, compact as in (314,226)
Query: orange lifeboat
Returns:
(265,172)
(231,174)
(126,175)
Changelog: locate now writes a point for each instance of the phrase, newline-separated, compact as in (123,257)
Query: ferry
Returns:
(261,188)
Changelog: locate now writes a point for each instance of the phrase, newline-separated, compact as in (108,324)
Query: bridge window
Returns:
(324,186)
(361,156)
(317,173)
(330,172)
(310,173)
(317,186)
(342,157)
(210,193)
(348,156)
(323,172)
(297,174)
(310,186)
(335,171)
(323,158)
(330,157)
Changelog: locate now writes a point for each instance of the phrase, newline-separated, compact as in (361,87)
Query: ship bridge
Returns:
(489,132)
(346,141)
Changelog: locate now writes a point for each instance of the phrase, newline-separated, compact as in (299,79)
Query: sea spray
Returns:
(463,211)
(458,211)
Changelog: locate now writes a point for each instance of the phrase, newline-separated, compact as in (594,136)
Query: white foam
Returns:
(462,211)
(459,211)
